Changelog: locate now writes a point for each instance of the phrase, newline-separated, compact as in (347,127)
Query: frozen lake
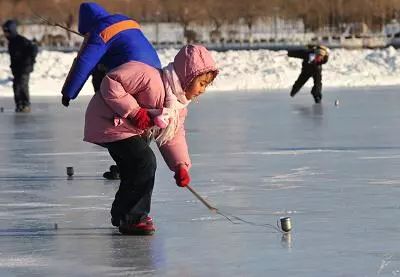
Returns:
(333,169)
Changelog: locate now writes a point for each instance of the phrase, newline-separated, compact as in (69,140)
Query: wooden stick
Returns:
(202,200)
(55,24)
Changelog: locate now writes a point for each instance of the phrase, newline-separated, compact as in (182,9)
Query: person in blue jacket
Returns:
(110,40)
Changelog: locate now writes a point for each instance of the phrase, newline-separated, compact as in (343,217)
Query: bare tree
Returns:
(315,14)
(216,13)
(185,12)
(250,11)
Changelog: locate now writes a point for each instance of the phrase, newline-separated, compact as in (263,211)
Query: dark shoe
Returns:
(113,174)
(114,169)
(144,227)
(25,109)
(317,99)
(110,176)
(22,109)
(294,91)
(115,221)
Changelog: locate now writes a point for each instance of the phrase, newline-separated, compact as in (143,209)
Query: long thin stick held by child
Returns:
(226,215)
(202,200)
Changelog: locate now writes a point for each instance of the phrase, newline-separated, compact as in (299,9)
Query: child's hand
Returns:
(182,176)
(142,120)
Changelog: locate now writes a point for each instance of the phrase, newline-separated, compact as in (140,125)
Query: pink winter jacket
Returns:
(133,85)
(123,91)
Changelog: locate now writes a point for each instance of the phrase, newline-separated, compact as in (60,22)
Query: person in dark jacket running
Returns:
(110,40)
(23,54)
(313,59)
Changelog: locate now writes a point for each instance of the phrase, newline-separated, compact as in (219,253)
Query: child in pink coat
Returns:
(132,99)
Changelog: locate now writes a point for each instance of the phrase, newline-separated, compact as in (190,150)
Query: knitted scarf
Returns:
(174,101)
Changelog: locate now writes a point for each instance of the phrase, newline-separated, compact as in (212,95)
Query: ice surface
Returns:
(333,169)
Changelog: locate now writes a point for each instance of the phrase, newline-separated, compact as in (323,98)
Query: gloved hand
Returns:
(142,120)
(65,101)
(318,59)
(163,119)
(182,176)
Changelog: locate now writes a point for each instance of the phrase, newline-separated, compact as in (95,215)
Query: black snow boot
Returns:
(115,221)
(113,174)
(317,99)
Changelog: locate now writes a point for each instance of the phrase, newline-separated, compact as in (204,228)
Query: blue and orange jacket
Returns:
(110,40)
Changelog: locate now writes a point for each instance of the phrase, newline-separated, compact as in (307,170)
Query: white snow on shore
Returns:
(240,70)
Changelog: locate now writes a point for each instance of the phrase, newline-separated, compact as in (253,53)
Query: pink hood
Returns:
(192,61)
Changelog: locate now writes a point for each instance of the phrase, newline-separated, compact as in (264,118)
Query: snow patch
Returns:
(239,70)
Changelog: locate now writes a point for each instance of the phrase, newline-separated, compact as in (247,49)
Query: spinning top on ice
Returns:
(70,171)
(337,102)
(286,224)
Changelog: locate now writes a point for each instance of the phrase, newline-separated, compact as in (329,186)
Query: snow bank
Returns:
(240,70)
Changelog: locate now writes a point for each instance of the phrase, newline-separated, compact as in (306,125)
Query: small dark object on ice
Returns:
(286,224)
(70,171)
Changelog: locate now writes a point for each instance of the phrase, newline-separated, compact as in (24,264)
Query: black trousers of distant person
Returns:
(308,71)
(21,90)
(137,166)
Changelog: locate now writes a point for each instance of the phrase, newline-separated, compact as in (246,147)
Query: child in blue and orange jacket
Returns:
(110,40)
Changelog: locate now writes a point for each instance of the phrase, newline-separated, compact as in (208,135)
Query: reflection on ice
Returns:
(380,157)
(286,240)
(32,205)
(22,261)
(384,182)
(205,218)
